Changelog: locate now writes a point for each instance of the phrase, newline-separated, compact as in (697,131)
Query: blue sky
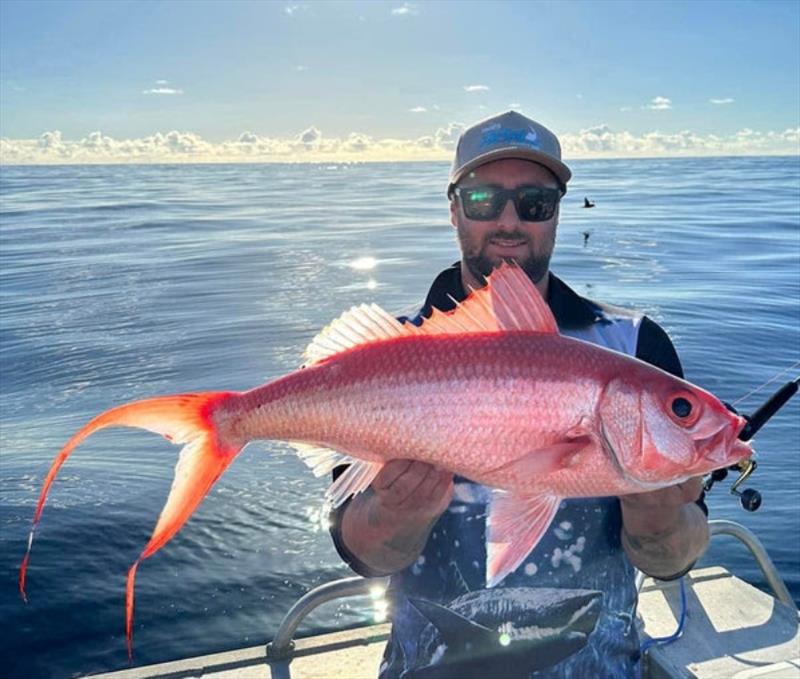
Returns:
(619,78)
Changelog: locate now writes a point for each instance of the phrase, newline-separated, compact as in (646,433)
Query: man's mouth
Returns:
(507,243)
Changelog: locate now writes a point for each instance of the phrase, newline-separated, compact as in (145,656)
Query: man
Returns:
(568,609)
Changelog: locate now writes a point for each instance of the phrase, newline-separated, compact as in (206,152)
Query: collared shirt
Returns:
(568,610)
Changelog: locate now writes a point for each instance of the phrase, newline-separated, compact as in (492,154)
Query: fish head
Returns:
(672,430)
(688,426)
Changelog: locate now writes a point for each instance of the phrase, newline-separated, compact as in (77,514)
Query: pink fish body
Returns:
(489,391)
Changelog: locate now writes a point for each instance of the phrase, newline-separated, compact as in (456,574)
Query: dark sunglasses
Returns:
(486,203)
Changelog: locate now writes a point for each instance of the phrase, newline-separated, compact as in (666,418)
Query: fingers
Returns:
(418,485)
(403,482)
(390,473)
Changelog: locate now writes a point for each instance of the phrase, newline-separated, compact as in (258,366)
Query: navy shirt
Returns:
(568,609)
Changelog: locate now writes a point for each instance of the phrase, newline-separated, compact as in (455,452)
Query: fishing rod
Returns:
(749,497)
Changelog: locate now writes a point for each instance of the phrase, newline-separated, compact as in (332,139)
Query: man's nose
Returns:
(508,218)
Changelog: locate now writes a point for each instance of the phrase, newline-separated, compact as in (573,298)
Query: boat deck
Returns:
(352,654)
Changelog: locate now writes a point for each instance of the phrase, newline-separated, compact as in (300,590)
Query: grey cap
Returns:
(508,135)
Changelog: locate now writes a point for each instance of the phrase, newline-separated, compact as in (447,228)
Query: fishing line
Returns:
(757,389)
(663,641)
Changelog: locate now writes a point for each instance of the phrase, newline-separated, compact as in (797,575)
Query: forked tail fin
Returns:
(185,418)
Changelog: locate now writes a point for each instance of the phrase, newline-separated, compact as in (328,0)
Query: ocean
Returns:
(122,282)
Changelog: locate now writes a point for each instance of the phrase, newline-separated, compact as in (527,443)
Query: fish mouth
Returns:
(722,447)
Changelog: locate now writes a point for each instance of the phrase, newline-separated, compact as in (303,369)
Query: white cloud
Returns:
(291,9)
(162,90)
(476,88)
(301,69)
(406,9)
(312,145)
(625,108)
(660,104)
(418,109)
(602,141)
(727,100)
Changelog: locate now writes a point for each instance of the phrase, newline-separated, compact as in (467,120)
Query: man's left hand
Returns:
(664,531)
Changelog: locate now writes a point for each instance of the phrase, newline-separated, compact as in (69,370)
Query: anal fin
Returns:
(514,527)
(354,480)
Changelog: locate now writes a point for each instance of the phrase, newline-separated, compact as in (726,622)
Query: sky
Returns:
(120,81)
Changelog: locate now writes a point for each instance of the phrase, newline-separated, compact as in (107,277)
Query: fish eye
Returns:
(684,408)
(681,407)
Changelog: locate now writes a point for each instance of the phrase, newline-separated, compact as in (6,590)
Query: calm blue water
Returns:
(118,283)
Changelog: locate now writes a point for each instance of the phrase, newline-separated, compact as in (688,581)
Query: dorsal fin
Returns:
(508,302)
(359,325)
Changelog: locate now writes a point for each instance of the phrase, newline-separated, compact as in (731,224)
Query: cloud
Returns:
(660,104)
(727,100)
(602,141)
(406,9)
(311,145)
(310,138)
(291,9)
(162,90)
(301,69)
(418,109)
(476,88)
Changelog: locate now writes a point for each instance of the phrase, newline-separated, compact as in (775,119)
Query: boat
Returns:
(730,630)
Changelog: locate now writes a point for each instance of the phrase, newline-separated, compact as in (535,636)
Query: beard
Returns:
(536,264)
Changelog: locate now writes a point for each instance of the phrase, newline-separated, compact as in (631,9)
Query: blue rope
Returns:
(663,641)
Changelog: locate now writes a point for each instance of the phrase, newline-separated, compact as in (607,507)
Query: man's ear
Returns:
(453,208)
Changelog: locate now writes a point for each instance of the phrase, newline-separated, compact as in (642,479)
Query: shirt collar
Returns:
(571,311)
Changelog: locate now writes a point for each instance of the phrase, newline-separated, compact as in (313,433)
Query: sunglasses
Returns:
(485,203)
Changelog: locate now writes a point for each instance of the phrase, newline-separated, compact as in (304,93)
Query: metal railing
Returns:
(749,539)
(282,646)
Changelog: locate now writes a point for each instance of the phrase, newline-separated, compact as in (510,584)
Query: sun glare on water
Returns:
(364,263)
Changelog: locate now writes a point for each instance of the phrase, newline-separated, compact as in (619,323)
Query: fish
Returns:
(511,632)
(489,391)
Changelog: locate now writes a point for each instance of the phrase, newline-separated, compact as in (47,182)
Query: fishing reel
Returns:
(749,497)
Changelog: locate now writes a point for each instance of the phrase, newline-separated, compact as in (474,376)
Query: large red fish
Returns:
(489,391)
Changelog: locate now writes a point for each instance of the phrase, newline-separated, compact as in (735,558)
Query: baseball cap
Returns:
(507,135)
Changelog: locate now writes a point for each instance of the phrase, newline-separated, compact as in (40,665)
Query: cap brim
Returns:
(561,171)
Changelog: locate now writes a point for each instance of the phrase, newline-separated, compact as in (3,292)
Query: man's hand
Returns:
(412,491)
(387,526)
(664,531)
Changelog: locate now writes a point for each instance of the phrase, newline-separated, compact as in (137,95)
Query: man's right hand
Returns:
(387,526)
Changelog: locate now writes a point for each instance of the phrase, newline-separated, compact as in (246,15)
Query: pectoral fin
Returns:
(513,528)
(546,460)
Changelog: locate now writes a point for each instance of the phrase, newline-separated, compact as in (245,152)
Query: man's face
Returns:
(484,245)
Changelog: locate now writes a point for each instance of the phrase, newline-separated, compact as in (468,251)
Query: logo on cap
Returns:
(494,135)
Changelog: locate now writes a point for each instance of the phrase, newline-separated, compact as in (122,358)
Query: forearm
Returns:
(377,539)
(664,543)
